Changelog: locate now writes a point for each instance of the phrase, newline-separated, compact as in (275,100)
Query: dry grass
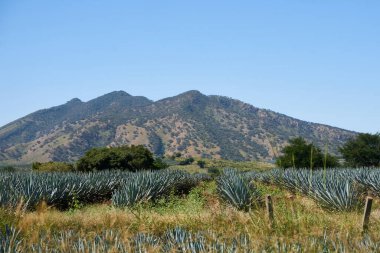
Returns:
(297,218)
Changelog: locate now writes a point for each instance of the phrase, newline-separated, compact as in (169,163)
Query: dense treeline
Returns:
(127,158)
(131,158)
(361,151)
(300,154)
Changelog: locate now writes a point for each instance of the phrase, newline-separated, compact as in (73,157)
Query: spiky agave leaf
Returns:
(60,189)
(151,185)
(336,194)
(236,191)
(10,241)
(56,189)
(369,178)
(144,186)
(332,189)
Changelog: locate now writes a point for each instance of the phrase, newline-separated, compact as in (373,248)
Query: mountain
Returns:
(191,123)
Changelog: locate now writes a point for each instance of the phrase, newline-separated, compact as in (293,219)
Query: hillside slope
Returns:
(190,123)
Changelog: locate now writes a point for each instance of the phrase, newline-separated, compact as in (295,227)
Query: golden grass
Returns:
(296,218)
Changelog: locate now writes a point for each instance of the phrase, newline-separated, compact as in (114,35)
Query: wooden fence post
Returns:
(269,207)
(367,213)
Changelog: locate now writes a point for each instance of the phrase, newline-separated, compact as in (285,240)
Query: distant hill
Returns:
(191,123)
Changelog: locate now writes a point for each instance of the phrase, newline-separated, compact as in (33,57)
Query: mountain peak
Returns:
(191,93)
(75,101)
(191,123)
(112,96)
(118,93)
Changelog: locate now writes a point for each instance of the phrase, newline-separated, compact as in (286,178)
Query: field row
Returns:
(174,211)
(26,190)
(335,189)
(178,240)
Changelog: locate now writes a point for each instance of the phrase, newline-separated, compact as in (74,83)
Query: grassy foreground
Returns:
(301,226)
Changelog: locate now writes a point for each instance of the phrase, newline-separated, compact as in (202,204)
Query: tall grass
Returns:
(200,221)
(299,221)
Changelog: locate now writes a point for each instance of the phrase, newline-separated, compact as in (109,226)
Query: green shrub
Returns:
(187,161)
(201,164)
(213,171)
(130,158)
(300,154)
(160,164)
(362,151)
(53,166)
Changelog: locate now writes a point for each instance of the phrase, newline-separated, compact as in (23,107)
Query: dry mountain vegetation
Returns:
(190,123)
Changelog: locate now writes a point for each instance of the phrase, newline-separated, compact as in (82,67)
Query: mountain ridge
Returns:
(191,123)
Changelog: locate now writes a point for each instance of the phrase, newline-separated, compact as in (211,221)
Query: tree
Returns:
(187,161)
(131,158)
(201,164)
(160,164)
(300,154)
(362,151)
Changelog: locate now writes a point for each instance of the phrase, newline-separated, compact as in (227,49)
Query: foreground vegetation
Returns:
(174,211)
(209,225)
(108,202)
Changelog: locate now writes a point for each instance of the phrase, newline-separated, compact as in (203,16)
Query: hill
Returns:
(191,123)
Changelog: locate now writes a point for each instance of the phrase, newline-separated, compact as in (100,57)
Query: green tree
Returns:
(160,164)
(187,161)
(300,154)
(201,164)
(132,158)
(362,151)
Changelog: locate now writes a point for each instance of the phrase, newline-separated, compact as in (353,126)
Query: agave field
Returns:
(175,211)
(334,189)
(28,189)
(175,240)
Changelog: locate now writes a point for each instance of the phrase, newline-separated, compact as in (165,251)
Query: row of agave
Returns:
(28,189)
(152,185)
(178,240)
(56,189)
(238,190)
(334,189)
(370,179)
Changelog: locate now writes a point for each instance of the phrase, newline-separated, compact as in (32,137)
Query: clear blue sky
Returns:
(314,60)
